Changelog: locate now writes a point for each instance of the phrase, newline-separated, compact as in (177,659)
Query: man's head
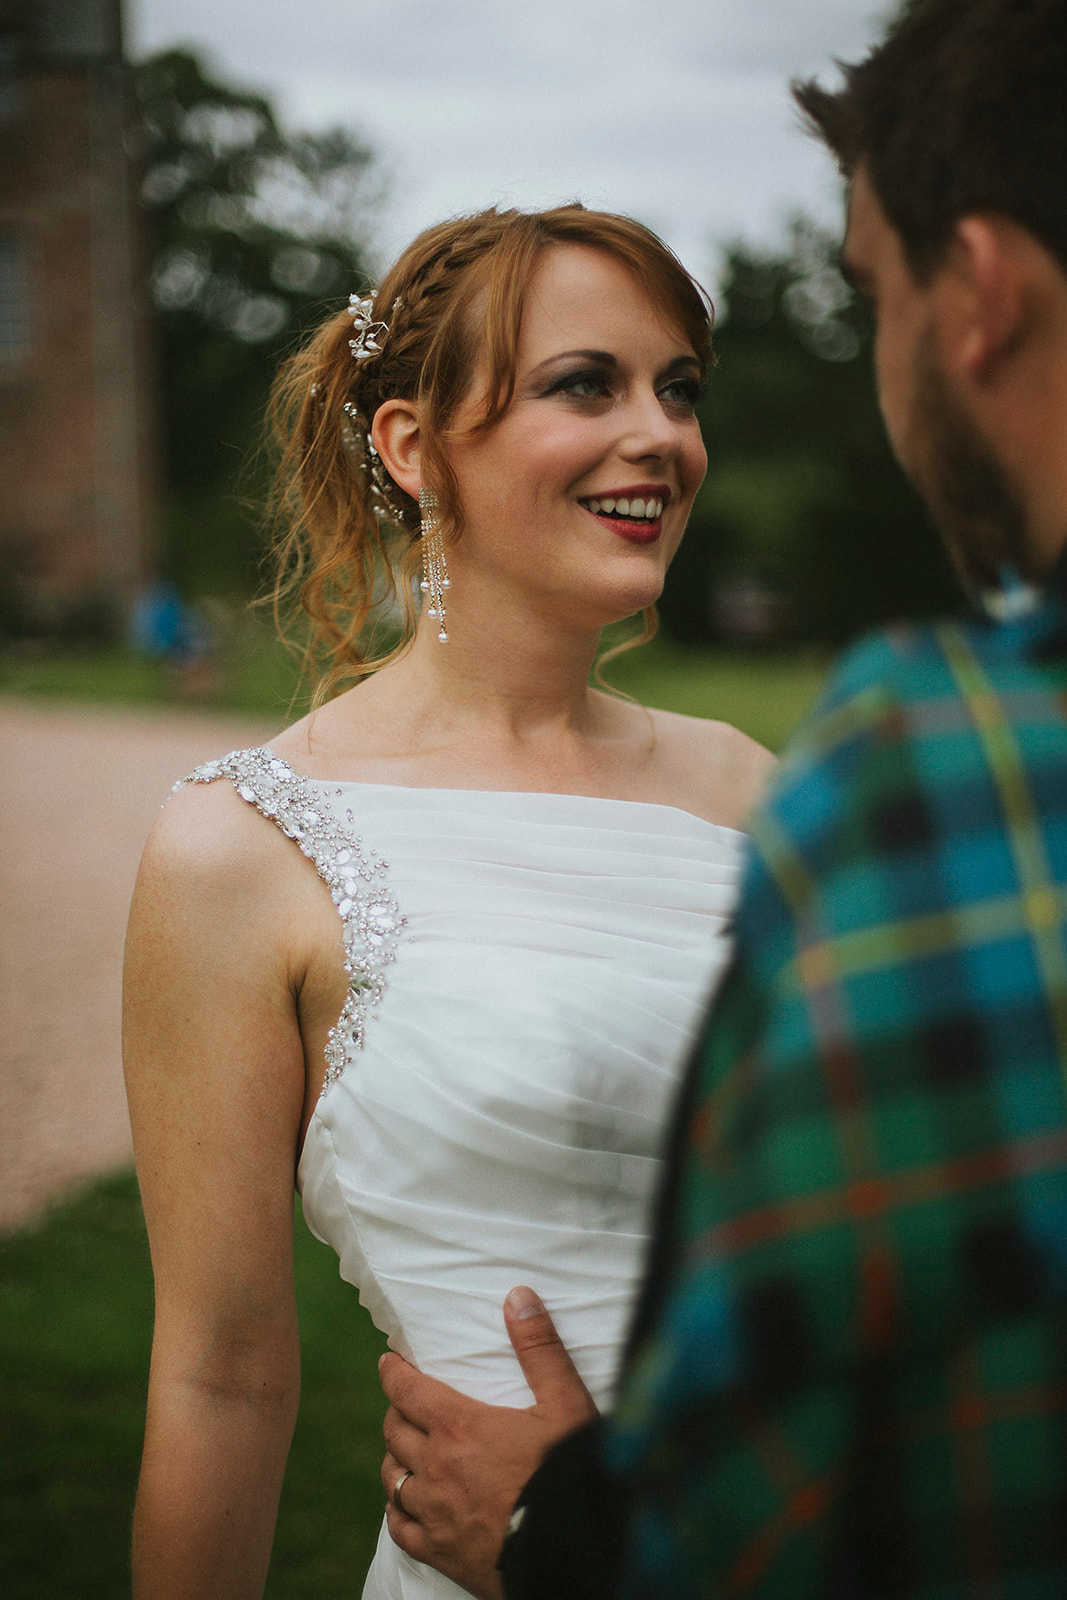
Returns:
(974,499)
(953,133)
(961,110)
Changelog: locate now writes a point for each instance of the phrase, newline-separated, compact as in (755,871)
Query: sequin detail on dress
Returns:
(355,876)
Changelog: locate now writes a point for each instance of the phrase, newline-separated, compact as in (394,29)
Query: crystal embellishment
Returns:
(368,332)
(355,875)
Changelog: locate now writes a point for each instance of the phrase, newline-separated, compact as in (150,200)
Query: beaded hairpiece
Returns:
(382,491)
(369,332)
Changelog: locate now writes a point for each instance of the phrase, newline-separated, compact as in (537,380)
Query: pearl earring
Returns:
(434,566)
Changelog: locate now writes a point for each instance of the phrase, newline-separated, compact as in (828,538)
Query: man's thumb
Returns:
(557,1389)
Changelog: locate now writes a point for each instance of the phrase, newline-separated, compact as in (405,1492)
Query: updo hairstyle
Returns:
(453,304)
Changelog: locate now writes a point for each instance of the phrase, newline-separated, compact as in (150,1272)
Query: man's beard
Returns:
(968,491)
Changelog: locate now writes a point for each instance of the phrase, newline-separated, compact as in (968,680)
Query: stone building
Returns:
(75,440)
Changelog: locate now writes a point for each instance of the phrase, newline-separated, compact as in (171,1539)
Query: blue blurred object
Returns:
(162,626)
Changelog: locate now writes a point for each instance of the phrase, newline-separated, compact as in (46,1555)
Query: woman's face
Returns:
(575,501)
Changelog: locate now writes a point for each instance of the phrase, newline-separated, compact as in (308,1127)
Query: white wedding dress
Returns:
(526,972)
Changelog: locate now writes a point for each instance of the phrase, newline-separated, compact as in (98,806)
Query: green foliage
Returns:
(764,693)
(74,1344)
(253,235)
(803,494)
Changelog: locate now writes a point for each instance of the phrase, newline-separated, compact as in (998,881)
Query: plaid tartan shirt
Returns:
(855,1384)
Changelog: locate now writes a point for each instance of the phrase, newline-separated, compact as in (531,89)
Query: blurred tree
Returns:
(253,234)
(804,504)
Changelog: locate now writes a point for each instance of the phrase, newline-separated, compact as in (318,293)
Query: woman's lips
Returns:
(633,532)
(627,515)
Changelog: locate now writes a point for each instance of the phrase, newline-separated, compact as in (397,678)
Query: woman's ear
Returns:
(396,437)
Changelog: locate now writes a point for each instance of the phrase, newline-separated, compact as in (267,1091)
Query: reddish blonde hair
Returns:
(460,288)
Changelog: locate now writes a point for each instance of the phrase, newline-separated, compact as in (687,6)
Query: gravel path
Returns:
(79,789)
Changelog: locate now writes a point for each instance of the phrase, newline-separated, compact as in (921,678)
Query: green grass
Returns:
(765,694)
(104,675)
(252,673)
(75,1332)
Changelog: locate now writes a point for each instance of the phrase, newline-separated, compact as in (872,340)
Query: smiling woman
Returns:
(600,426)
(465,1044)
(459,302)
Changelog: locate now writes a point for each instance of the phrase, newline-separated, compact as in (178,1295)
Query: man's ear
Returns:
(984,267)
(396,437)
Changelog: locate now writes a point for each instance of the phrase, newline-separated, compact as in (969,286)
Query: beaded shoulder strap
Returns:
(355,875)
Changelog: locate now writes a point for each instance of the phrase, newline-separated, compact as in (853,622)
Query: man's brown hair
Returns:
(961,109)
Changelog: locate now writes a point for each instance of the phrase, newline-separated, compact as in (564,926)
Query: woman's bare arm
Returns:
(215,1077)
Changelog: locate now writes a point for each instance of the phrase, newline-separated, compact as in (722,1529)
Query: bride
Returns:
(438,953)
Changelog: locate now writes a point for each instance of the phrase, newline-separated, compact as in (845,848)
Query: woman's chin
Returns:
(631,598)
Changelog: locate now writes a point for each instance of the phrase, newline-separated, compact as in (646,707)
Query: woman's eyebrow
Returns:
(604,358)
(600,358)
(682,364)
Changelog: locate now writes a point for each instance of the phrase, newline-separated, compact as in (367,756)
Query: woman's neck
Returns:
(508,710)
(505,682)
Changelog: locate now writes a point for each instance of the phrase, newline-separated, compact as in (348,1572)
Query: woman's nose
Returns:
(649,431)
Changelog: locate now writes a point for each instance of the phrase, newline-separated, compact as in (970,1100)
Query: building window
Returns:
(14,298)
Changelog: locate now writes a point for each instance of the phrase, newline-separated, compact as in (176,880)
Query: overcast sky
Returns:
(673,111)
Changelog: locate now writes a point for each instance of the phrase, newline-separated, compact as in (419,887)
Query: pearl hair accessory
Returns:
(434,566)
(368,332)
(382,491)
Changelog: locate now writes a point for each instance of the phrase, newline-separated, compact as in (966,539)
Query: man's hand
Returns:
(465,1463)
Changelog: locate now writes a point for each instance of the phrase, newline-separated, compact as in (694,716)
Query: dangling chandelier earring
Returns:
(434,566)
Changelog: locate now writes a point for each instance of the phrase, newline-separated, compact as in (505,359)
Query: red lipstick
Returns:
(625,511)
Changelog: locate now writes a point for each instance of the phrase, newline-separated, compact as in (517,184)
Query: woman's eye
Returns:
(583,385)
(683,393)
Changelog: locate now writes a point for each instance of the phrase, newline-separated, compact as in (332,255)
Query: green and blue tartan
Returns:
(855,1385)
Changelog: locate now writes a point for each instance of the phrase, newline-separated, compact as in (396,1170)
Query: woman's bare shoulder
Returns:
(207,841)
(722,772)
(219,907)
